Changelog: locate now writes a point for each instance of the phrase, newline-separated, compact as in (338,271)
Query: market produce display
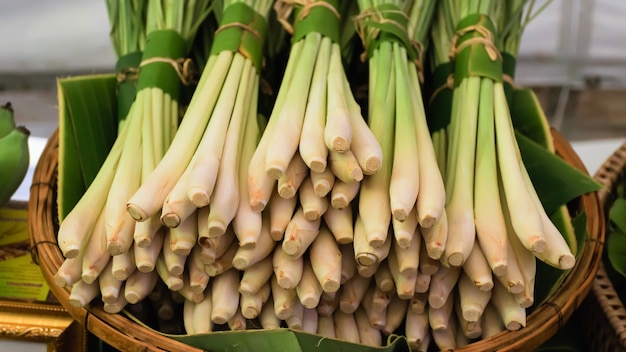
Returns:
(348,169)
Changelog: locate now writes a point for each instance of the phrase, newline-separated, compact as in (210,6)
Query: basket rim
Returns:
(543,323)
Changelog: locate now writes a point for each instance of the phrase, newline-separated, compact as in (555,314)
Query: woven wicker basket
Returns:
(606,328)
(126,335)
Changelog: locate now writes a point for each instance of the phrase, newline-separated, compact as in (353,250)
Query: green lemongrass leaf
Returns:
(562,219)
(549,278)
(555,181)
(87,130)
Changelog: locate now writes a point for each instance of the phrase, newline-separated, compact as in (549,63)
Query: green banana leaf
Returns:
(87,130)
(529,118)
(616,237)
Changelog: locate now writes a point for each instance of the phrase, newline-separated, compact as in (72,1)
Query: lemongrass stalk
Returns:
(396,313)
(419,302)
(116,306)
(491,322)
(367,270)
(309,320)
(329,303)
(338,131)
(255,276)
(466,329)
(374,193)
(146,230)
(152,193)
(309,289)
(346,328)
(139,285)
(376,314)
(248,255)
(348,265)
(436,237)
(175,263)
(224,296)
(82,293)
(247,223)
(223,262)
(383,277)
(431,198)
(339,221)
(215,247)
(428,265)
(460,188)
(364,252)
(477,268)
(343,193)
(352,292)
(145,258)
(323,182)
(525,216)
(123,265)
(225,197)
(284,300)
(281,211)
(326,326)
(408,257)
(404,232)
(260,184)
(188,309)
(202,312)
(188,293)
(527,264)
(177,207)
(294,321)
(184,237)
(368,335)
(198,278)
(252,304)
(291,114)
(287,269)
(364,144)
(472,300)
(490,227)
(311,147)
(96,255)
(313,206)
(110,288)
(513,316)
(440,145)
(173,282)
(345,166)
(416,328)
(442,284)
(404,280)
(69,271)
(295,174)
(404,184)
(440,318)
(512,278)
(238,322)
(380,299)
(326,258)
(268,318)
(80,221)
(422,282)
(299,235)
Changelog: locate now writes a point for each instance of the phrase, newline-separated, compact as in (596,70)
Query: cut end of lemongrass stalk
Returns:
(71,252)
(197,288)
(372,165)
(216,228)
(538,245)
(322,188)
(276,233)
(204,242)
(523,301)
(120,274)
(77,301)
(356,174)
(343,238)
(566,261)
(339,201)
(170,220)
(427,221)
(131,297)
(291,247)
(331,286)
(115,248)
(62,280)
(377,240)
(318,165)
(311,214)
(514,287)
(309,302)
(136,212)
(182,249)
(286,191)
(340,143)
(434,250)
(456,260)
(386,285)
(275,171)
(514,326)
(403,239)
(176,270)
(250,312)
(113,308)
(241,263)
(283,313)
(109,295)
(366,259)
(436,301)
(199,197)
(174,283)
(472,313)
(219,318)
(499,269)
(143,242)
(145,267)
(399,212)
(89,276)
(285,282)
(485,284)
(257,205)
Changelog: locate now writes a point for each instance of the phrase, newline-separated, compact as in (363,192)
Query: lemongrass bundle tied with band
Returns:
(407,191)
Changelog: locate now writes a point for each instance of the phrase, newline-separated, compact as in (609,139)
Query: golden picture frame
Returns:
(23,316)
